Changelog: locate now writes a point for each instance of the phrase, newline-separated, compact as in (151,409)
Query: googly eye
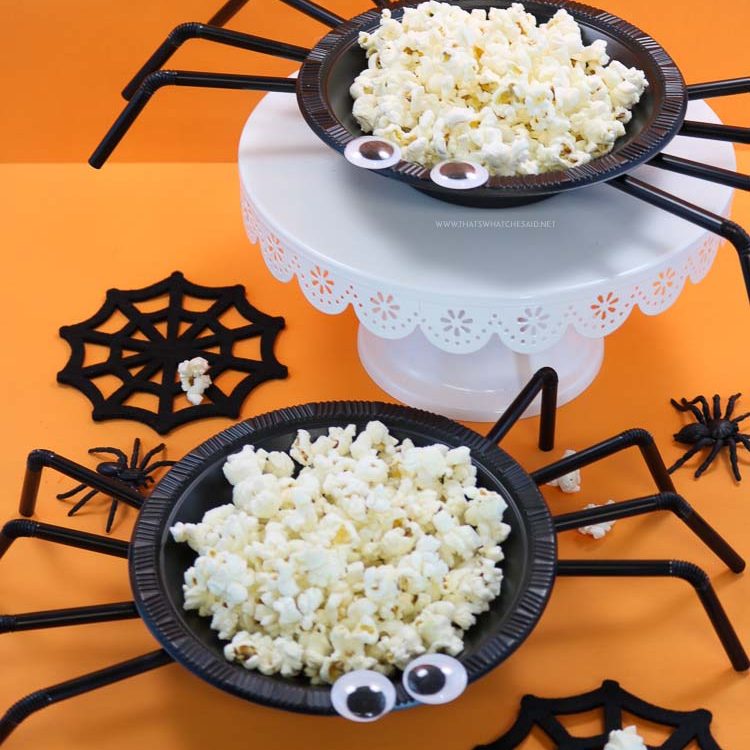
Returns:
(363,695)
(459,175)
(435,678)
(371,152)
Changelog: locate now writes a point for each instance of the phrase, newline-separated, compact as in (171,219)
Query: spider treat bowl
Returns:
(330,67)
(196,484)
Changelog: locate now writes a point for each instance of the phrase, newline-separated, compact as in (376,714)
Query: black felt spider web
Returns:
(146,360)
(687,726)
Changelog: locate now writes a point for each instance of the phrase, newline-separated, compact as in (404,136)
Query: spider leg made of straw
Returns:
(89,495)
(545,382)
(151,77)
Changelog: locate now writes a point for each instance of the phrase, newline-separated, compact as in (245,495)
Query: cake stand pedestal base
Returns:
(475,387)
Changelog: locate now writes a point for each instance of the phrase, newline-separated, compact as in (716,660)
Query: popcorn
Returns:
(570,482)
(625,739)
(374,553)
(193,378)
(492,87)
(597,530)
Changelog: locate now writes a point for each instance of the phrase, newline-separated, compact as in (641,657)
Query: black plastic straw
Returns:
(187,31)
(696,577)
(22,527)
(702,171)
(715,132)
(728,87)
(730,230)
(630,438)
(157,80)
(544,380)
(56,618)
(77,686)
(667,501)
(227,12)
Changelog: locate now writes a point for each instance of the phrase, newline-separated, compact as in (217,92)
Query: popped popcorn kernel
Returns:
(493,87)
(194,378)
(374,552)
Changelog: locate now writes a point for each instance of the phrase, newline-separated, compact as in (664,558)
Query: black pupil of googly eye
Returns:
(426,679)
(457,170)
(376,150)
(366,702)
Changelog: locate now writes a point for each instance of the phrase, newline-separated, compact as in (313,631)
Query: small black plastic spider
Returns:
(716,431)
(127,471)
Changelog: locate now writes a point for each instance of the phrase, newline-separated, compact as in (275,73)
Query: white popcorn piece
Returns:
(193,378)
(625,739)
(570,482)
(373,553)
(492,87)
(597,530)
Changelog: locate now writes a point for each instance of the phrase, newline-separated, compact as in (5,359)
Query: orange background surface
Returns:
(69,233)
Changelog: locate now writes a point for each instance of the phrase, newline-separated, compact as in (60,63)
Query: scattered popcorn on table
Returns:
(492,87)
(568,482)
(597,530)
(625,739)
(194,379)
(374,553)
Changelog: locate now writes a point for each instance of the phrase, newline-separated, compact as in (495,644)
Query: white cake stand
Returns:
(458,306)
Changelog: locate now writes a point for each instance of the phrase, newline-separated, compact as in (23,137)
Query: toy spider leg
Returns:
(56,618)
(138,469)
(667,499)
(39,699)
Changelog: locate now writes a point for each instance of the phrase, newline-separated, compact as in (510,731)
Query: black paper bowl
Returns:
(329,70)
(196,484)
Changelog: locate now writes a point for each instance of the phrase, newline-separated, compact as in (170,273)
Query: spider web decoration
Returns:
(687,726)
(145,352)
